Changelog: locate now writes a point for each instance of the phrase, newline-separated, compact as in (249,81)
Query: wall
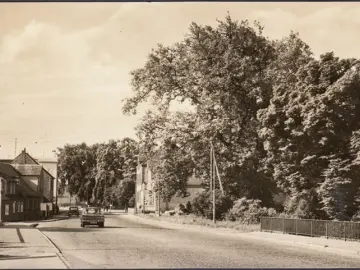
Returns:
(151,199)
(48,186)
(51,167)
(64,199)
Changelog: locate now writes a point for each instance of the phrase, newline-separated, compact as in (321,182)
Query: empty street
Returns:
(125,243)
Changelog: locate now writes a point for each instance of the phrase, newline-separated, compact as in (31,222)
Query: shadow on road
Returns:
(95,228)
(10,257)
(62,229)
(2,246)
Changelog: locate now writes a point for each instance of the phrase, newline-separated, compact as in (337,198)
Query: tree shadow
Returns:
(11,257)
(92,228)
(62,229)
(2,246)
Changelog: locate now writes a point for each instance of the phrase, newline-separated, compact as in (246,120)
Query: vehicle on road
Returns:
(73,210)
(92,216)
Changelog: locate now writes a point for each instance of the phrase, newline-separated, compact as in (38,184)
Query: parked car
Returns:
(92,216)
(73,210)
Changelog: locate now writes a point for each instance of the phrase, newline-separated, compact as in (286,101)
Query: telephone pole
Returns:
(15,147)
(212,182)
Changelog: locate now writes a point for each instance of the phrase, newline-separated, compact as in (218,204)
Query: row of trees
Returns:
(101,173)
(284,124)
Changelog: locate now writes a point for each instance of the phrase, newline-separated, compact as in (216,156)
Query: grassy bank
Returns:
(195,220)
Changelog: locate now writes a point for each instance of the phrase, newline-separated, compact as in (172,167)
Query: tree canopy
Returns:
(94,173)
(281,120)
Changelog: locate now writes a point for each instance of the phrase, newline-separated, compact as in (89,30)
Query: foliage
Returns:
(202,204)
(188,208)
(100,173)
(281,122)
(248,211)
(75,169)
(221,72)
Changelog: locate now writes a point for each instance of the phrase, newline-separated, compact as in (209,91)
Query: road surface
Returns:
(124,243)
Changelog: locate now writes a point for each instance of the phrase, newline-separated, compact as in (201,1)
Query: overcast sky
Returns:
(65,66)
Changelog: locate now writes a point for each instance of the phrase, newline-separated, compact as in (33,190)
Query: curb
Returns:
(51,220)
(29,225)
(59,253)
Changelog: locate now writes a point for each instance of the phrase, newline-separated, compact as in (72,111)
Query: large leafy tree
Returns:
(75,169)
(90,172)
(115,161)
(222,72)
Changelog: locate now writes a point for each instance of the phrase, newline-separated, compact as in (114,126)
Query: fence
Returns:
(311,227)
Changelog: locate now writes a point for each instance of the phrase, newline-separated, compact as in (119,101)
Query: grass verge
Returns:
(195,220)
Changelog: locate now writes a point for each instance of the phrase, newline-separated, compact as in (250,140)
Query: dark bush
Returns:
(188,208)
(202,205)
(180,208)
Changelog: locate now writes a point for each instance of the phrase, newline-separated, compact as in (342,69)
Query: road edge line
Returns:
(59,253)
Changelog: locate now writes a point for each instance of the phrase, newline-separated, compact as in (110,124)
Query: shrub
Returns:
(356,217)
(188,208)
(180,208)
(301,206)
(249,211)
(202,205)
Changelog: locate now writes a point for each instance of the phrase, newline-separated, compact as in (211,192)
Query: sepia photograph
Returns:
(179,135)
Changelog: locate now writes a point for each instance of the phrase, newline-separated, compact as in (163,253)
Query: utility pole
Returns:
(15,147)
(213,182)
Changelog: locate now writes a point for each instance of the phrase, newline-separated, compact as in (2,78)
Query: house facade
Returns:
(32,196)
(36,175)
(18,201)
(148,200)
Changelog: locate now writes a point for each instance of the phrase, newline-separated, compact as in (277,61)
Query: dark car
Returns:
(92,216)
(73,211)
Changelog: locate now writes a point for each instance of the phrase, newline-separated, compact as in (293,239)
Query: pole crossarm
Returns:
(217,173)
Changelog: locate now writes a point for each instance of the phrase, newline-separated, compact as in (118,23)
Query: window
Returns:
(3,188)
(11,188)
(19,207)
(22,207)
(7,209)
(14,207)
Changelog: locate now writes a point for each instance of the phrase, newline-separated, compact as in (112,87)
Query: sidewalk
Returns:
(27,248)
(346,248)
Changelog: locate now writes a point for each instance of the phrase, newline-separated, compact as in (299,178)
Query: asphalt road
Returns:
(129,244)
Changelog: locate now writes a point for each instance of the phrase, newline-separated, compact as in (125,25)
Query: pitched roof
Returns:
(26,190)
(24,158)
(9,170)
(28,169)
